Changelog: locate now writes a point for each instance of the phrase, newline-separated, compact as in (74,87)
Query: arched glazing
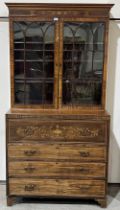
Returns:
(83,48)
(34,62)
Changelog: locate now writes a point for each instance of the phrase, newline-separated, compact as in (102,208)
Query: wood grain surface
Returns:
(49,187)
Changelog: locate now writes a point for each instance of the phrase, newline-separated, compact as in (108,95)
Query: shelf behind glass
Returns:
(34,50)
(33,92)
(38,60)
(32,42)
(32,80)
(86,46)
(82,61)
(82,93)
(33,46)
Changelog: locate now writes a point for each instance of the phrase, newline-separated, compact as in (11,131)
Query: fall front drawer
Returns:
(86,131)
(56,169)
(57,187)
(57,151)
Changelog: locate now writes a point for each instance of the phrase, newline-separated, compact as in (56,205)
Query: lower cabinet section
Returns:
(57,167)
(51,187)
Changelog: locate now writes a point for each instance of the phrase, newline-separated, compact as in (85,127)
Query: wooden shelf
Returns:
(31,42)
(40,60)
(34,50)
(82,61)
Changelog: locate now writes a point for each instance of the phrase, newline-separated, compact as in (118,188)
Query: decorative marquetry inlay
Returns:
(55,131)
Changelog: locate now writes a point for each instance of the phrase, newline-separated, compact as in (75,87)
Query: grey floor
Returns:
(113,203)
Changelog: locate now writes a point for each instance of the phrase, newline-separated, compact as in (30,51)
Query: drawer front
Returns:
(89,131)
(64,151)
(51,187)
(56,169)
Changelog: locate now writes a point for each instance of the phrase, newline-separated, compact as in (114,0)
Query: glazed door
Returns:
(35,63)
(58,64)
(81,72)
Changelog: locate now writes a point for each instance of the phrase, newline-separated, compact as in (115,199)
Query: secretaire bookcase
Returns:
(57,128)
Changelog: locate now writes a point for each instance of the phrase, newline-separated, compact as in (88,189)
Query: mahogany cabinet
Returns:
(57,128)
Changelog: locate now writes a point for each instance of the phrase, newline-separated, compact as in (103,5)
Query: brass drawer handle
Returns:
(84,170)
(30,152)
(29,169)
(84,188)
(30,187)
(84,154)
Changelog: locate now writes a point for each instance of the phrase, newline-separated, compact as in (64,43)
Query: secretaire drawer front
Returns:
(51,187)
(56,169)
(63,151)
(20,130)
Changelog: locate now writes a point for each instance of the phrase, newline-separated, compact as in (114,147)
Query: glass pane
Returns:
(83,64)
(34,61)
(18,32)
(49,55)
(19,70)
(34,69)
(19,55)
(19,92)
(49,93)
(18,46)
(33,46)
(34,55)
(67,92)
(39,34)
(48,33)
(33,32)
(49,46)
(49,66)
(33,93)
(81,93)
(83,50)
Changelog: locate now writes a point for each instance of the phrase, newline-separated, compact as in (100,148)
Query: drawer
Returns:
(64,151)
(56,169)
(56,187)
(89,131)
